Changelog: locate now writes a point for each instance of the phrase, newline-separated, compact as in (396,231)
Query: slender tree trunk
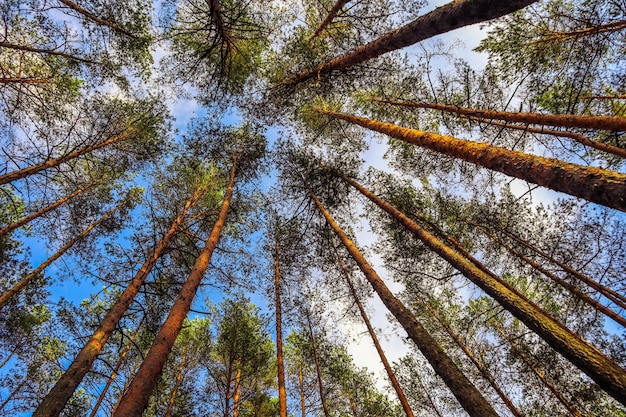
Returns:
(24,80)
(280,361)
(594,184)
(218,20)
(591,30)
(383,358)
(15,391)
(50,163)
(450,16)
(301,384)
(426,393)
(19,286)
(540,375)
(118,365)
(237,394)
(571,288)
(126,384)
(44,210)
(179,380)
(352,406)
(483,369)
(95,18)
(24,48)
(329,18)
(608,375)
(55,401)
(318,368)
(582,121)
(136,398)
(467,394)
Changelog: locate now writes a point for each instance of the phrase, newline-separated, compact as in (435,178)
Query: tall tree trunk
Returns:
(329,18)
(607,374)
(95,18)
(136,398)
(19,286)
(383,358)
(14,392)
(591,30)
(24,80)
(571,288)
(482,368)
(453,15)
(24,48)
(179,380)
(594,184)
(280,361)
(44,210)
(318,368)
(301,385)
(582,121)
(539,374)
(237,393)
(53,162)
(55,401)
(116,369)
(467,394)
(352,406)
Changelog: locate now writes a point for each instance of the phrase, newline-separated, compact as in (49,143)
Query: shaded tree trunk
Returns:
(329,18)
(179,380)
(280,361)
(594,184)
(24,48)
(607,374)
(95,18)
(55,401)
(450,16)
(318,368)
(466,393)
(136,398)
(301,385)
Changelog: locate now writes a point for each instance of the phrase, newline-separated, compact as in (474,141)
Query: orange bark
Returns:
(453,15)
(55,401)
(237,394)
(591,30)
(280,361)
(329,17)
(607,374)
(136,398)
(466,393)
(597,185)
(318,369)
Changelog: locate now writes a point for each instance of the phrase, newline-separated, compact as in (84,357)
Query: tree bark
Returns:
(466,393)
(50,163)
(6,297)
(237,394)
(179,380)
(55,401)
(318,368)
(594,184)
(450,16)
(591,30)
(301,383)
(24,48)
(95,18)
(383,358)
(280,361)
(136,398)
(339,4)
(608,375)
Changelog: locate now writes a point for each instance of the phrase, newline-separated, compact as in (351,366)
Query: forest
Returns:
(315,208)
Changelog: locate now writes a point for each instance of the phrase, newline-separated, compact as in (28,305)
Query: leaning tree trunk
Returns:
(329,18)
(591,30)
(454,15)
(179,379)
(597,185)
(136,398)
(87,14)
(607,374)
(466,393)
(50,163)
(318,368)
(280,361)
(383,358)
(53,404)
(25,48)
(19,286)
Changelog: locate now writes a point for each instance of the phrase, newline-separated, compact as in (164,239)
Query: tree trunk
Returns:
(14,392)
(44,210)
(594,184)
(582,121)
(329,17)
(237,394)
(55,401)
(179,380)
(383,358)
(318,368)
(352,406)
(483,369)
(467,394)
(453,15)
(118,365)
(24,48)
(50,163)
(591,30)
(301,384)
(136,398)
(280,362)
(559,396)
(95,18)
(6,297)
(608,375)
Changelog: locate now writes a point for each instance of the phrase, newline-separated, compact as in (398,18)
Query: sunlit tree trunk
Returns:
(179,379)
(318,368)
(55,401)
(607,374)
(466,393)
(301,386)
(450,16)
(237,393)
(53,162)
(329,18)
(136,398)
(280,361)
(383,358)
(594,184)
(591,30)
(19,286)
